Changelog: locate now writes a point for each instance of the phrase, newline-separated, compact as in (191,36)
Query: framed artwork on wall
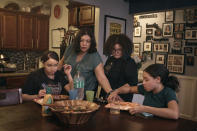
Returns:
(113,25)
(176,63)
(169,16)
(167,29)
(147,46)
(136,49)
(137,31)
(160,59)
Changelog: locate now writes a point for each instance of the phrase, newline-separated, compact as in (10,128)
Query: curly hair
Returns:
(82,32)
(121,39)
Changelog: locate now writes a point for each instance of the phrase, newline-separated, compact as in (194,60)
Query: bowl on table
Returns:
(74,111)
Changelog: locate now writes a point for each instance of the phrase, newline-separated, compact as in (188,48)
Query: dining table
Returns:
(27,117)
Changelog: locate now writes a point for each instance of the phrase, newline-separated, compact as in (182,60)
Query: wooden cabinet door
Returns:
(42,33)
(26,33)
(73,17)
(9,30)
(87,15)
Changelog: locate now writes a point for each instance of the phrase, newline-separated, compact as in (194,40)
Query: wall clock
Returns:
(57,11)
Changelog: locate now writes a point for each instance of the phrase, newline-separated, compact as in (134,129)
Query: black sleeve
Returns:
(131,75)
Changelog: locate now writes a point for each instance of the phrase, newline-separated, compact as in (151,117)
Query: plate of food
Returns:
(121,105)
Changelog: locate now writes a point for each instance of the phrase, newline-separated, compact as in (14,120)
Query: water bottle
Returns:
(79,83)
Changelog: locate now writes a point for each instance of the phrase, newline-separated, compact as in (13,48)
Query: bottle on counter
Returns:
(79,83)
(48,99)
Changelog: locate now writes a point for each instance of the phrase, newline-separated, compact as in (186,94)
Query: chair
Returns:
(10,96)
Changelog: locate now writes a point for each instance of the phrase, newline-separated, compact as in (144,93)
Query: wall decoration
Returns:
(178,35)
(149,31)
(176,63)
(160,47)
(137,31)
(190,60)
(191,34)
(169,16)
(113,25)
(160,59)
(167,29)
(188,50)
(136,49)
(147,46)
(195,51)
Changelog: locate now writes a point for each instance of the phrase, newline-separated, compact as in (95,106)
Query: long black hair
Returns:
(160,70)
(82,32)
(123,40)
(49,54)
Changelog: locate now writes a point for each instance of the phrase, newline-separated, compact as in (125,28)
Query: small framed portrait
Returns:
(149,31)
(161,47)
(167,29)
(195,51)
(137,31)
(169,16)
(147,46)
(178,35)
(176,63)
(136,49)
(160,59)
(191,34)
(158,32)
(190,60)
(188,50)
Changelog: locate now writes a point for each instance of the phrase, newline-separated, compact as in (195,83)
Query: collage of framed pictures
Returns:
(176,63)
(167,29)
(147,46)
(160,59)
(136,49)
(137,31)
(161,47)
(191,34)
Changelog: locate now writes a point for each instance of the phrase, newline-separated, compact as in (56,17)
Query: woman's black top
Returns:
(119,72)
(37,79)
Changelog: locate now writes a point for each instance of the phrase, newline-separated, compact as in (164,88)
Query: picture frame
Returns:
(178,35)
(161,47)
(190,60)
(167,29)
(147,46)
(176,63)
(191,34)
(137,31)
(195,51)
(136,49)
(113,25)
(160,59)
(188,50)
(169,16)
(149,31)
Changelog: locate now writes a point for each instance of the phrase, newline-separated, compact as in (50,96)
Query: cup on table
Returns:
(90,95)
(72,94)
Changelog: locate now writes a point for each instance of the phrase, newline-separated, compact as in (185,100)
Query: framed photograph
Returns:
(195,51)
(149,31)
(160,47)
(147,46)
(160,59)
(178,35)
(176,63)
(188,50)
(190,60)
(191,34)
(136,49)
(137,31)
(169,16)
(113,25)
(167,29)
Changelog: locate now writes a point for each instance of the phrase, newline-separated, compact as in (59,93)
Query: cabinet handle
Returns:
(37,43)
(32,43)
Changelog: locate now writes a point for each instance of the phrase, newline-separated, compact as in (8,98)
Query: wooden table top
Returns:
(27,117)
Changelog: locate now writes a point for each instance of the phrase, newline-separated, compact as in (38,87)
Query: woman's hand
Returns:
(136,109)
(41,93)
(67,69)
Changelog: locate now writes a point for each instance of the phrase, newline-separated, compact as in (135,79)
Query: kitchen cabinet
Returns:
(8,30)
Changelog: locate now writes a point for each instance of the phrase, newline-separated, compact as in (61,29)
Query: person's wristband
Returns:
(107,95)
